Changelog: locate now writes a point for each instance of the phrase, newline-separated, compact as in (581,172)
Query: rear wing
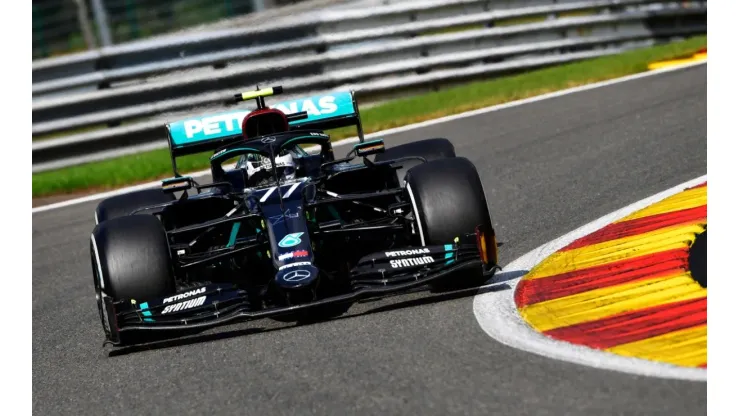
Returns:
(209,132)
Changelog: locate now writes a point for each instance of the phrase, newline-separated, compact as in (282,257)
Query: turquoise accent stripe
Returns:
(449,256)
(369,142)
(448,247)
(144,312)
(176,179)
(259,253)
(373,141)
(234,232)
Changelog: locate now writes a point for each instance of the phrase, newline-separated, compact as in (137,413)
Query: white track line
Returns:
(398,129)
(497,314)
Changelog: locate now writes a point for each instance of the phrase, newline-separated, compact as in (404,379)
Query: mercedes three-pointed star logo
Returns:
(268,140)
(296,275)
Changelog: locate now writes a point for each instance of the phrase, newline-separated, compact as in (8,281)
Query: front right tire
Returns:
(448,201)
(130,258)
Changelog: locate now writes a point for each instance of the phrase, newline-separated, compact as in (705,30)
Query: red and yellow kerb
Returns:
(627,288)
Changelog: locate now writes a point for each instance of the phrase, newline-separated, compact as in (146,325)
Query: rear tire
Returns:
(130,259)
(122,205)
(429,149)
(448,201)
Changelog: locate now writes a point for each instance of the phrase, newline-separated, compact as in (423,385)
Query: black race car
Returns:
(285,229)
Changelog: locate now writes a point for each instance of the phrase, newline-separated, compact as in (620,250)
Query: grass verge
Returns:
(154,165)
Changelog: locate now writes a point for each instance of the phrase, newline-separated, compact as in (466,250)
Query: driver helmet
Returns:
(261,167)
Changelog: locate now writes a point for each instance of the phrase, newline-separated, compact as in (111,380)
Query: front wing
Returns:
(217,304)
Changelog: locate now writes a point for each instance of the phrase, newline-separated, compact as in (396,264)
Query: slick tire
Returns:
(448,201)
(122,205)
(429,149)
(130,258)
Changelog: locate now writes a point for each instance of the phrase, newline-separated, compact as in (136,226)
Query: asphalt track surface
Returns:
(548,167)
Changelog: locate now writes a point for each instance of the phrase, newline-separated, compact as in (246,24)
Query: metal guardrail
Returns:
(192,44)
(305,33)
(376,51)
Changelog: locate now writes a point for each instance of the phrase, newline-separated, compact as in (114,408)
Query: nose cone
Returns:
(296,275)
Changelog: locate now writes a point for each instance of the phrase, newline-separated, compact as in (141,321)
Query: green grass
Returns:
(155,165)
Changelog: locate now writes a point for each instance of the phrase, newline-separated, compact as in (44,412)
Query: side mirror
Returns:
(182,183)
(366,149)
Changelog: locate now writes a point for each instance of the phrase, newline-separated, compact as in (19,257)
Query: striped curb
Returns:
(699,56)
(627,288)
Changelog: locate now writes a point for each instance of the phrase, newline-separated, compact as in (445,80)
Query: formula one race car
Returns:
(285,229)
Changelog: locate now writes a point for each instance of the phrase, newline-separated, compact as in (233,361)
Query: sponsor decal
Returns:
(184,295)
(407,252)
(415,261)
(191,303)
(219,153)
(296,275)
(230,122)
(214,126)
(312,106)
(277,219)
(290,240)
(298,263)
(371,148)
(293,254)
